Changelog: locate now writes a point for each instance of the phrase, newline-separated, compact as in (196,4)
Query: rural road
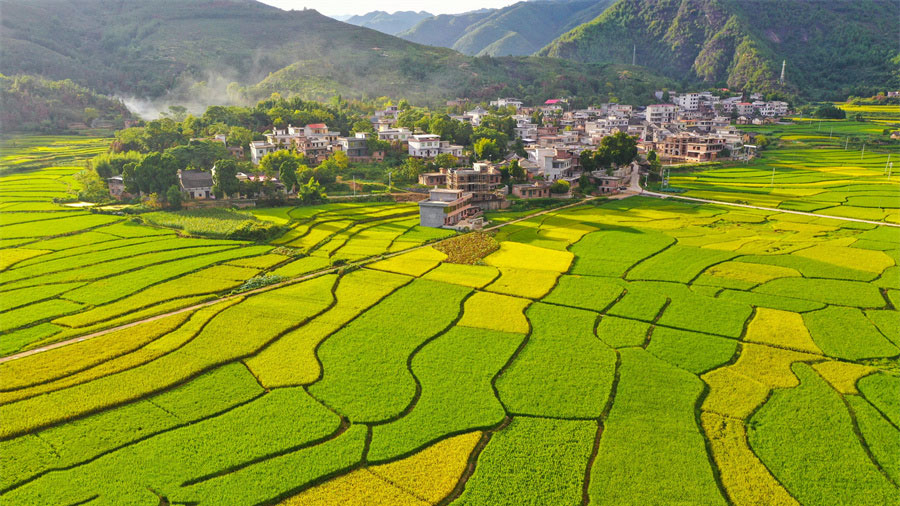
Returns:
(634,188)
(772,209)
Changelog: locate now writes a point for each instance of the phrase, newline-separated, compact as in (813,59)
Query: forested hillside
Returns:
(239,51)
(519,29)
(36,104)
(385,22)
(833,49)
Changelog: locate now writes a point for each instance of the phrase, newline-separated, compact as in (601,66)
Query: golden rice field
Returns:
(638,351)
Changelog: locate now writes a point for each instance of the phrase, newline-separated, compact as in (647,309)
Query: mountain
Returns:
(36,104)
(519,29)
(391,24)
(221,51)
(832,49)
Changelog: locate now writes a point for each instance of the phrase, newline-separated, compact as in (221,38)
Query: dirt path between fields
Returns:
(291,281)
(634,189)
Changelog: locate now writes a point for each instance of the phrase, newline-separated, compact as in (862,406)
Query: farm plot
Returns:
(814,171)
(627,352)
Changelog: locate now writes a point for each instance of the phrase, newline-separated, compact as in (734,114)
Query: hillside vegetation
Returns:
(391,24)
(35,104)
(833,49)
(519,29)
(242,50)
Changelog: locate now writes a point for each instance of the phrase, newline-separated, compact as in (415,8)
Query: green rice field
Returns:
(622,352)
(814,169)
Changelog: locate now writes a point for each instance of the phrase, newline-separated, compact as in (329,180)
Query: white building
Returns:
(431,145)
(259,149)
(660,113)
(504,102)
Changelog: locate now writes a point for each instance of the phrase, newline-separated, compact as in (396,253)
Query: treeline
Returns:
(35,104)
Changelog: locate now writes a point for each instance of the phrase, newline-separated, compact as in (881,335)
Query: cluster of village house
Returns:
(692,127)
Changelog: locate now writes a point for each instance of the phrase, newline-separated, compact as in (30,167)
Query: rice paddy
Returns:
(635,351)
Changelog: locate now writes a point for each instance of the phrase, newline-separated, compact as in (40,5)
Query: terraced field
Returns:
(639,351)
(813,172)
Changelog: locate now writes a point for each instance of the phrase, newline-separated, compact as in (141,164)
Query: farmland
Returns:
(634,351)
(826,167)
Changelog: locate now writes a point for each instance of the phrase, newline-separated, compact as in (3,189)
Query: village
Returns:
(555,142)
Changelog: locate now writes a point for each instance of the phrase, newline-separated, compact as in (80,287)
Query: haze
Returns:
(364,6)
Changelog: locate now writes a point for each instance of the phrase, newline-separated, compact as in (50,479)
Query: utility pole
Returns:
(773,176)
(846,143)
(863,152)
(831,131)
(886,164)
(634,54)
(354,186)
(781,79)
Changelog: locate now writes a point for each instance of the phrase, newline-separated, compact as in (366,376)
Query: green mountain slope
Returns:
(519,29)
(242,50)
(391,24)
(832,49)
(36,104)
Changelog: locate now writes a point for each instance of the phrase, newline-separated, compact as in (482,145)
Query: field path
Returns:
(772,209)
(291,281)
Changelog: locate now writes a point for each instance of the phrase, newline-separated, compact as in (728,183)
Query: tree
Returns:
(859,117)
(588,163)
(112,164)
(619,148)
(486,149)
(198,154)
(829,111)
(92,189)
(173,197)
(155,173)
(239,136)
(311,192)
(761,141)
(445,160)
(225,181)
(412,169)
(665,96)
(516,171)
(560,186)
(537,117)
(271,164)
(363,126)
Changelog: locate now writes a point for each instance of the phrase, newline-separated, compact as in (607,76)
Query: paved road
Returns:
(761,208)
(633,189)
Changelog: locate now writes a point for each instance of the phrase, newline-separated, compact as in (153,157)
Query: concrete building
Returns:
(259,149)
(660,113)
(689,147)
(536,190)
(445,208)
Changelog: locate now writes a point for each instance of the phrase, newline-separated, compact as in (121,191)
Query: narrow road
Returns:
(291,281)
(633,189)
(772,209)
